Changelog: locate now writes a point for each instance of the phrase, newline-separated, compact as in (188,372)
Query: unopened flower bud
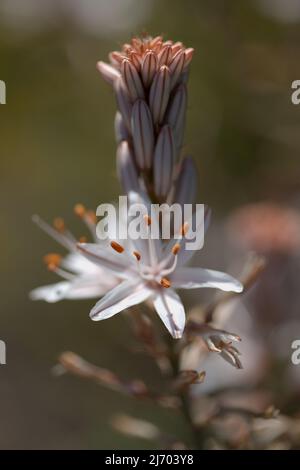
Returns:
(149,67)
(159,94)
(123,101)
(142,134)
(163,163)
(109,73)
(132,80)
(126,168)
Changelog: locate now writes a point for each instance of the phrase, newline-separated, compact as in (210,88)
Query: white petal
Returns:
(78,264)
(193,278)
(171,311)
(90,287)
(51,293)
(121,297)
(106,257)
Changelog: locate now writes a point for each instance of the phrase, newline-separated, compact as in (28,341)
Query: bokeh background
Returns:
(57,148)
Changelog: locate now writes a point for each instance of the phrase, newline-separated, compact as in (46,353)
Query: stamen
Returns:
(171,269)
(176,248)
(52,260)
(117,247)
(66,239)
(80,210)
(165,282)
(147,219)
(184,229)
(59,224)
(137,255)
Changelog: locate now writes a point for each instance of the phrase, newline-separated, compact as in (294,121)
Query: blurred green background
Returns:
(57,148)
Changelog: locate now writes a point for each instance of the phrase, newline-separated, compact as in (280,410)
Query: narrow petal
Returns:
(125,295)
(90,287)
(171,311)
(78,264)
(117,263)
(193,278)
(51,293)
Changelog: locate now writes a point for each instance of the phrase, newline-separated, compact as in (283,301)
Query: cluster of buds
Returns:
(149,78)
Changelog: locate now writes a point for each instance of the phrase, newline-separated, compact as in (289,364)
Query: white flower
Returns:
(152,270)
(82,279)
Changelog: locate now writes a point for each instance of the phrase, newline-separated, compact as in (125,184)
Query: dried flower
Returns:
(219,341)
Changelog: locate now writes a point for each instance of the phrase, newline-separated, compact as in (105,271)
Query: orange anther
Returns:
(176,249)
(59,224)
(147,219)
(79,210)
(52,260)
(137,255)
(117,247)
(165,282)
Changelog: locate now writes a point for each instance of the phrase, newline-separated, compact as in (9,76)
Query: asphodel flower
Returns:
(149,78)
(152,270)
(81,278)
